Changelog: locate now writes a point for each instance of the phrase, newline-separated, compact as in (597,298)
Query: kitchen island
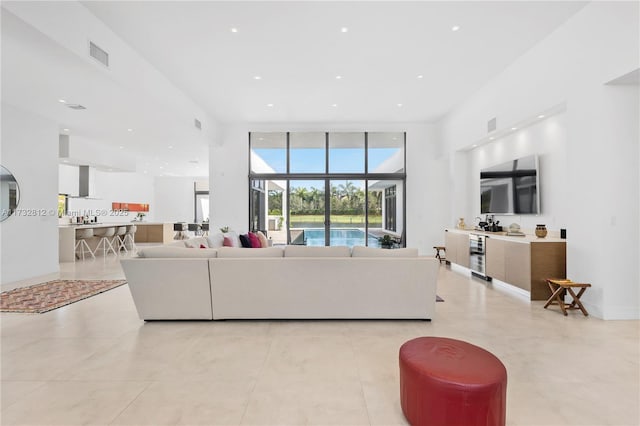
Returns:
(147,232)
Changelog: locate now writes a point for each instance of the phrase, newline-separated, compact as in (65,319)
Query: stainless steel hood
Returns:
(84,184)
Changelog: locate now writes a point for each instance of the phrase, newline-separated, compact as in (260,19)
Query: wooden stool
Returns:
(441,258)
(558,287)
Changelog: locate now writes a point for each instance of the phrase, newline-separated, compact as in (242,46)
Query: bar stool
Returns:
(179,228)
(195,228)
(121,232)
(81,241)
(205,229)
(130,236)
(106,236)
(441,257)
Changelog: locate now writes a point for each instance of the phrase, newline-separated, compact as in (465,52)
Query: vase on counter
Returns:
(461,224)
(541,231)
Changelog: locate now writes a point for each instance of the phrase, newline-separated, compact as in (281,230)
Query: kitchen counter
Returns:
(528,238)
(153,232)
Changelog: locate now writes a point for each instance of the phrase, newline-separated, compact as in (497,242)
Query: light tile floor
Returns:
(95,362)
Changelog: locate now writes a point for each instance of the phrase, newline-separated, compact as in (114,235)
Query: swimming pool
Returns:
(339,237)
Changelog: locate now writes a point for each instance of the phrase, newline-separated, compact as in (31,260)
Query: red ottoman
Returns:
(451,382)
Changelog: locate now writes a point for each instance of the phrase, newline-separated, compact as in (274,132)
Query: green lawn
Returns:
(338,220)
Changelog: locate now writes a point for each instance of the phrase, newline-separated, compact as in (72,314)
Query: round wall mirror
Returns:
(9,193)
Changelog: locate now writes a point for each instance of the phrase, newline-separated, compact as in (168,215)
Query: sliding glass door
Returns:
(319,188)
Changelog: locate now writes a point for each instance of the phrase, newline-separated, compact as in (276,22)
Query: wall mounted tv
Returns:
(511,188)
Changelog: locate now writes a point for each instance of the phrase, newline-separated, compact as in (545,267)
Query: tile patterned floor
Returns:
(94,362)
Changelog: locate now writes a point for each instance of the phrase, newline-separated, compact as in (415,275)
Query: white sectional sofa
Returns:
(294,282)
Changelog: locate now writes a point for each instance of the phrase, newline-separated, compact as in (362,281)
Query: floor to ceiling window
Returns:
(327,188)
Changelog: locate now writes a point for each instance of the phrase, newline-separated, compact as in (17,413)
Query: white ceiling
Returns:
(297,48)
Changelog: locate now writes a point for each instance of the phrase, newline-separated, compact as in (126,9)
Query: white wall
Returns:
(29,244)
(601,207)
(546,138)
(426,195)
(108,187)
(174,199)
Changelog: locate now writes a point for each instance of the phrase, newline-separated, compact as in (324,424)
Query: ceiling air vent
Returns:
(98,54)
(492,125)
(197,123)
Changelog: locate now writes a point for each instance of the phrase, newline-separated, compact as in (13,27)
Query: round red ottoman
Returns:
(451,382)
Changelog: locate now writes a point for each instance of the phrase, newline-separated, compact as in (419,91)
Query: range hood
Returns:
(85,189)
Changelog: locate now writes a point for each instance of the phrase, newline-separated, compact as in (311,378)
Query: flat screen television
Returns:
(511,188)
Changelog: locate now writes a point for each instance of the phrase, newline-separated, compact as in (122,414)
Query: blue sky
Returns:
(311,160)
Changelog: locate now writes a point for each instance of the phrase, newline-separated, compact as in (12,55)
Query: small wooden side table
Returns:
(441,257)
(558,288)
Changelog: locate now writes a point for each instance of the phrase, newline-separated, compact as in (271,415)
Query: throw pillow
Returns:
(216,240)
(244,240)
(235,241)
(227,242)
(253,239)
(203,246)
(264,243)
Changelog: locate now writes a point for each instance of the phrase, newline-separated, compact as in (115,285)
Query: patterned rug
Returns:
(40,298)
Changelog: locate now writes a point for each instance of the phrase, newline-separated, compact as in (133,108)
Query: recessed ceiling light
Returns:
(270,105)
(334,105)
(474,145)
(121,147)
(234,30)
(257,77)
(455,28)
(260,139)
(65,130)
(338,77)
(541,116)
(129,130)
(161,167)
(420,76)
(491,138)
(344,30)
(399,105)
(514,128)
(145,172)
(62,101)
(170,146)
(65,161)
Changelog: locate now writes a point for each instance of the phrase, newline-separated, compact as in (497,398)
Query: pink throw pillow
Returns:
(203,246)
(227,242)
(255,242)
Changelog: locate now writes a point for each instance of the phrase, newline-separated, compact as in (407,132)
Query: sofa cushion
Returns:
(178,243)
(253,239)
(310,251)
(216,240)
(196,242)
(360,251)
(264,243)
(230,252)
(176,252)
(244,241)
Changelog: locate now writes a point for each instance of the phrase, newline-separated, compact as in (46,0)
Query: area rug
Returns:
(40,298)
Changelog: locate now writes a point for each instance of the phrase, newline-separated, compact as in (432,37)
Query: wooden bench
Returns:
(559,287)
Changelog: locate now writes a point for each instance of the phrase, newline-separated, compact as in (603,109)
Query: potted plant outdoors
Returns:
(386,241)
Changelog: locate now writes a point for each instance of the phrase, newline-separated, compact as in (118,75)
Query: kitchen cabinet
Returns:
(153,232)
(457,247)
(524,262)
